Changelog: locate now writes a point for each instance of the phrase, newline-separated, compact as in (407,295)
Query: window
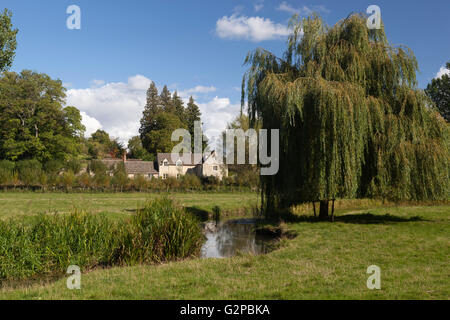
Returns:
(216,168)
(179,163)
(165,176)
(178,176)
(165,163)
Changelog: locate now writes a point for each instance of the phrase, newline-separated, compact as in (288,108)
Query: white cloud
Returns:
(250,28)
(201,89)
(304,10)
(116,107)
(216,114)
(90,123)
(139,83)
(443,70)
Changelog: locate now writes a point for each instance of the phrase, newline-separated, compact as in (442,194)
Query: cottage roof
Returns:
(140,167)
(172,158)
(133,166)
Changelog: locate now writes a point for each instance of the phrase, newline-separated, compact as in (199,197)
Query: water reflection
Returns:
(227,238)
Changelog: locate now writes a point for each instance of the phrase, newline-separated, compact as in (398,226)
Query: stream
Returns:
(226,239)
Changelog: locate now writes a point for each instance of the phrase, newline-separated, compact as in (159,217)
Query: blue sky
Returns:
(195,47)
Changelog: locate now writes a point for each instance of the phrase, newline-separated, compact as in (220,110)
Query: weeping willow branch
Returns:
(352,121)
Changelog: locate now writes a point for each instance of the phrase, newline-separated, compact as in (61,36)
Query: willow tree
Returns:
(353,123)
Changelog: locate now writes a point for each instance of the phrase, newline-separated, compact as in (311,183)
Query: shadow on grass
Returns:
(369,218)
(201,214)
(362,218)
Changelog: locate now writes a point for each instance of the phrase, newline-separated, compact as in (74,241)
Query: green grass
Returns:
(44,246)
(113,204)
(410,244)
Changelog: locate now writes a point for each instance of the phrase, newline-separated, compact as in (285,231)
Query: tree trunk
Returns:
(332,211)
(323,212)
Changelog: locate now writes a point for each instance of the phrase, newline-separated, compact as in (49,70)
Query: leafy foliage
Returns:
(101,145)
(439,91)
(33,122)
(137,151)
(8,41)
(352,122)
(159,139)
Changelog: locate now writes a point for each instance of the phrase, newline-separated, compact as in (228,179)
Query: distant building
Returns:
(138,167)
(170,165)
(133,167)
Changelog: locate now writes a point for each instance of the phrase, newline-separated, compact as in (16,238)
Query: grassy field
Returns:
(113,204)
(411,245)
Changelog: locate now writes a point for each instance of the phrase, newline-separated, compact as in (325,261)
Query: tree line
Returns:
(96,176)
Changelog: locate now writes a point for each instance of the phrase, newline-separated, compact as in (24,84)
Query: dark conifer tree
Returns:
(178,106)
(192,114)
(151,110)
(166,100)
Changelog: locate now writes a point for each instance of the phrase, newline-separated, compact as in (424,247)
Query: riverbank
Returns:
(325,261)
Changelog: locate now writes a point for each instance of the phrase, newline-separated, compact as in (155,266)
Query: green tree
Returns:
(73,119)
(178,104)
(159,139)
(352,121)
(151,110)
(33,122)
(137,151)
(101,145)
(166,100)
(8,42)
(439,91)
(191,115)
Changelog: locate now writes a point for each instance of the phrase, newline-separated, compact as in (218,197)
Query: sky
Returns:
(196,47)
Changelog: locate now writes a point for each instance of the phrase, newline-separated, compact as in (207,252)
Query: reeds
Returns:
(46,245)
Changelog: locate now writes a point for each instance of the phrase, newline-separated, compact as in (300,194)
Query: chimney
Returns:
(124,157)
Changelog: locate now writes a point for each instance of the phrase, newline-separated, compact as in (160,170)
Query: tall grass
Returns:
(48,244)
(161,232)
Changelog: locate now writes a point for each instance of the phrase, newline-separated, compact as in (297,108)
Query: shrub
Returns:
(191,182)
(140,183)
(6,172)
(74,165)
(120,178)
(67,180)
(29,171)
(53,167)
(84,181)
(97,167)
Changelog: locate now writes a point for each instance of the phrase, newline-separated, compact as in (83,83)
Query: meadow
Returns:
(114,205)
(410,243)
